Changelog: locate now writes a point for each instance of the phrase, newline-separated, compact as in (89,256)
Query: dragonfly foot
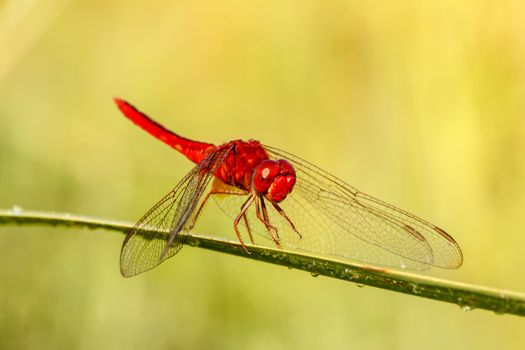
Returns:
(245,249)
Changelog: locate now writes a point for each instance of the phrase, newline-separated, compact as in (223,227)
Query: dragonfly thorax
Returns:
(274,179)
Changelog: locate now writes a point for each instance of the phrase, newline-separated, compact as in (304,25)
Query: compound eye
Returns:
(280,188)
(264,174)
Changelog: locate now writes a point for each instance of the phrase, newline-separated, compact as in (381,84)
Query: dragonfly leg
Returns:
(260,207)
(201,207)
(267,218)
(248,227)
(217,188)
(272,230)
(244,207)
(283,214)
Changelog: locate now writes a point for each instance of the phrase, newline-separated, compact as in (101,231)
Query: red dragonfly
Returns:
(283,198)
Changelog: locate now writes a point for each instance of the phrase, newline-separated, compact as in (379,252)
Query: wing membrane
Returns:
(161,232)
(350,224)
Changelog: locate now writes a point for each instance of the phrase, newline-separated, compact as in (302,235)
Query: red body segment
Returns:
(193,150)
(238,166)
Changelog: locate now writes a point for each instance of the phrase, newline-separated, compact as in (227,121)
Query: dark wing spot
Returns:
(444,234)
(414,232)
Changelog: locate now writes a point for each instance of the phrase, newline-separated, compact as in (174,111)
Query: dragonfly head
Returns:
(274,179)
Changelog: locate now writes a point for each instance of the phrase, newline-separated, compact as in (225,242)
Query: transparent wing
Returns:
(336,219)
(343,217)
(161,232)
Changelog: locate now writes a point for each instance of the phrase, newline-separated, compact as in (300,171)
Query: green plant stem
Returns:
(466,296)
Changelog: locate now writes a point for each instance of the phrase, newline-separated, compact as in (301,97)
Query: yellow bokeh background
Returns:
(418,103)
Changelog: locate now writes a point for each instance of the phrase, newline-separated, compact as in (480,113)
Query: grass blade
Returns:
(465,295)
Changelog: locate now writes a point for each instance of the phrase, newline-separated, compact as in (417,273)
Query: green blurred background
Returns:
(418,103)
